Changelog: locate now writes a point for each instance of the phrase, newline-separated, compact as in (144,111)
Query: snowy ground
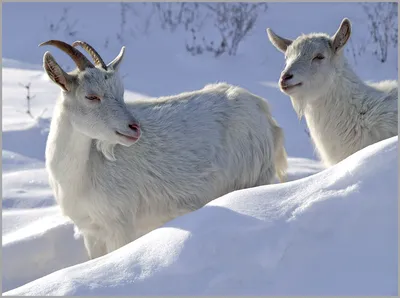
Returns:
(332,232)
(327,232)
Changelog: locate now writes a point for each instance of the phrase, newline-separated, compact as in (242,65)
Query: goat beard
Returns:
(107,149)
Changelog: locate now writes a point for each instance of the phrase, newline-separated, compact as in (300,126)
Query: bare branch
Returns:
(28,98)
(233,22)
(382,17)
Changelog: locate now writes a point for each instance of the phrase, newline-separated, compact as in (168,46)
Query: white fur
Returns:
(343,113)
(194,147)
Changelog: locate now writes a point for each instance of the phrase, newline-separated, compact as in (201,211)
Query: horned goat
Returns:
(120,170)
(343,113)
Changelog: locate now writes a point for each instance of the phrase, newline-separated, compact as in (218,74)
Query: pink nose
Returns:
(134,127)
(286,77)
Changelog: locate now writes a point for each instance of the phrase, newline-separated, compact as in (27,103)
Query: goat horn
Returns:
(80,60)
(95,56)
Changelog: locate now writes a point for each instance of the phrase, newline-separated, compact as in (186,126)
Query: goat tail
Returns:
(280,155)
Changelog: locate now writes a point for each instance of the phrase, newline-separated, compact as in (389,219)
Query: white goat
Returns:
(343,113)
(119,171)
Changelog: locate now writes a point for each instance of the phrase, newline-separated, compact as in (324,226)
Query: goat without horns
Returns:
(119,171)
(343,113)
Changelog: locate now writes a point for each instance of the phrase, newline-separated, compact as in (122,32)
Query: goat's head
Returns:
(93,95)
(312,60)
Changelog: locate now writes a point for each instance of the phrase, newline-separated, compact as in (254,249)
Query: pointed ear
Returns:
(117,61)
(279,42)
(342,35)
(56,73)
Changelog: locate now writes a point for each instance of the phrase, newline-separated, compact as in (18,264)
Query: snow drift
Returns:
(332,233)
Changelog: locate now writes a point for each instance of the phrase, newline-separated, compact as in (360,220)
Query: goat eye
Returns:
(319,57)
(92,97)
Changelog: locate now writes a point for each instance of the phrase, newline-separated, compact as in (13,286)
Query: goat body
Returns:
(194,147)
(352,115)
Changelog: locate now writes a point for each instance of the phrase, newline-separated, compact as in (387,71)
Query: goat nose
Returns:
(134,127)
(287,76)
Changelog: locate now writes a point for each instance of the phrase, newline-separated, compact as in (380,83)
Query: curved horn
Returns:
(95,56)
(117,60)
(80,60)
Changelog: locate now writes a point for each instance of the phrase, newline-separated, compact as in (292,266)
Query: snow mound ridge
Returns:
(332,233)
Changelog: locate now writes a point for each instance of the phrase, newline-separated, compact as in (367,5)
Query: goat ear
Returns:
(342,35)
(279,42)
(117,61)
(55,72)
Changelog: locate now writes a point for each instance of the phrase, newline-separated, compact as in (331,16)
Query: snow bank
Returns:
(333,233)
(37,242)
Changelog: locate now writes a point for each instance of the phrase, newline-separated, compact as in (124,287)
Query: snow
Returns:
(324,232)
(332,232)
